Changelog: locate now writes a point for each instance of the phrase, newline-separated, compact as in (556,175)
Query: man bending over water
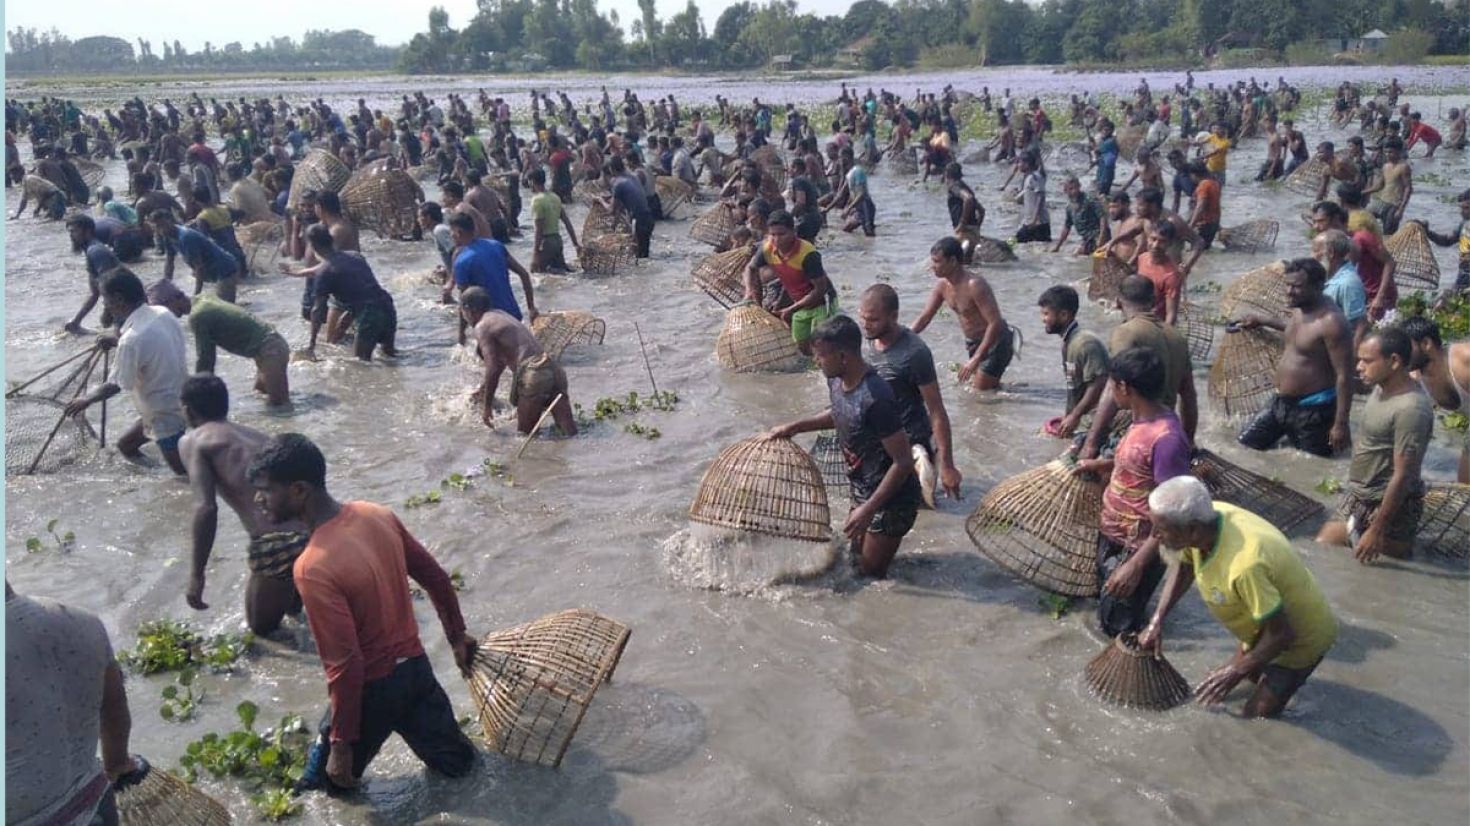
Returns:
(988,339)
(537,379)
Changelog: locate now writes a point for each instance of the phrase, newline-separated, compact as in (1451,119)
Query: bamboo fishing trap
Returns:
(1444,529)
(903,163)
(765,485)
(1414,265)
(672,193)
(558,331)
(532,683)
(714,226)
(1042,526)
(1261,292)
(1252,236)
(1125,675)
(92,172)
(755,341)
(39,436)
(261,242)
(827,453)
(383,200)
(1306,180)
(990,250)
(1272,501)
(601,221)
(588,191)
(1243,377)
(1199,334)
(1130,138)
(722,275)
(319,171)
(1108,272)
(157,798)
(607,253)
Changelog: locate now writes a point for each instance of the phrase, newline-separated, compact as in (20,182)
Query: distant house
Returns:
(854,52)
(1372,41)
(782,62)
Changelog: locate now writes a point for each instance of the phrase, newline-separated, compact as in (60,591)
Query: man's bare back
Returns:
(218,455)
(504,342)
(344,235)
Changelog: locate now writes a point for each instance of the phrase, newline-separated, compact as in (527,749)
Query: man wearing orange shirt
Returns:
(1158,266)
(1205,217)
(353,581)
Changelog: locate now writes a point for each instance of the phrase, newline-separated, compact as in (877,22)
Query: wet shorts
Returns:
(273,352)
(1304,426)
(995,363)
(1283,682)
(553,256)
(897,519)
(1359,513)
(272,555)
(1208,232)
(539,379)
(376,323)
(802,321)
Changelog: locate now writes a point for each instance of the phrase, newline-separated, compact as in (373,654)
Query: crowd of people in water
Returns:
(199,170)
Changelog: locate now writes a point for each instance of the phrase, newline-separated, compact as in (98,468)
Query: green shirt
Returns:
(1084,358)
(546,209)
(220,324)
(1399,424)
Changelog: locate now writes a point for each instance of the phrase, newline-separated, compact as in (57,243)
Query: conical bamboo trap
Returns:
(607,253)
(1272,501)
(827,453)
(1444,529)
(1306,179)
(992,250)
(767,486)
(1243,377)
(532,683)
(383,200)
(755,341)
(319,171)
(92,172)
(558,331)
(1108,272)
(1414,265)
(588,192)
(600,221)
(1198,333)
(1253,236)
(672,193)
(261,242)
(1042,526)
(1259,292)
(161,799)
(714,226)
(1127,676)
(903,163)
(722,275)
(1129,139)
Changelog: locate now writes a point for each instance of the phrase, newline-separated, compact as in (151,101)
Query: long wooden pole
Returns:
(647,366)
(48,371)
(529,436)
(36,462)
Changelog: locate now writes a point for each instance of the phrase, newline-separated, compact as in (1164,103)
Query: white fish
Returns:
(928,477)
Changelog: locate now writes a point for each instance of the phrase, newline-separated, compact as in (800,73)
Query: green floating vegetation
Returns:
(1328,486)
(180,701)
(432,497)
(609,408)
(65,542)
(170,645)
(1455,420)
(269,763)
(1055,605)
(1452,314)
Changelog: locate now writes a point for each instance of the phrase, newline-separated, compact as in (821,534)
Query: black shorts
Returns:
(999,358)
(1305,427)
(897,517)
(1130,614)
(1039,232)
(1208,232)
(1283,682)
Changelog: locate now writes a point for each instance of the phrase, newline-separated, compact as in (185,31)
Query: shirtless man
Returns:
(1150,212)
(454,201)
(1393,187)
(1120,213)
(487,201)
(1146,171)
(1342,170)
(988,339)
(536,378)
(1445,374)
(217,453)
(1314,389)
(966,213)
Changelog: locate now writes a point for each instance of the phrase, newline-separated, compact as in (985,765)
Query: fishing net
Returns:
(1125,675)
(1243,377)
(767,486)
(722,275)
(1129,139)
(1444,529)
(755,341)
(1414,265)
(1255,236)
(1108,272)
(29,420)
(990,250)
(92,172)
(1042,526)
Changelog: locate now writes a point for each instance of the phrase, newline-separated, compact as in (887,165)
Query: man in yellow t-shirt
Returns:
(1216,151)
(1253,582)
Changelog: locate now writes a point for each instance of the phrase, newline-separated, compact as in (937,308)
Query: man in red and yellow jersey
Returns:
(798,266)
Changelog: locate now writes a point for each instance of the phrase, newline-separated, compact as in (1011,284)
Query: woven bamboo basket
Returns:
(1042,526)
(532,683)
(29,420)
(722,275)
(755,341)
(1108,272)
(1243,377)
(560,330)
(1254,236)
(1129,139)
(607,253)
(769,159)
(588,192)
(161,799)
(1414,264)
(672,193)
(601,221)
(320,171)
(1444,529)
(903,163)
(714,226)
(767,486)
(1127,676)
(383,200)
(992,250)
(1272,501)
(424,172)
(1260,292)
(261,242)
(1197,331)
(1306,179)
(827,453)
(92,172)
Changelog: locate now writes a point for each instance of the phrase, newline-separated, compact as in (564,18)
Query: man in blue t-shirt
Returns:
(486,263)
(208,260)
(100,259)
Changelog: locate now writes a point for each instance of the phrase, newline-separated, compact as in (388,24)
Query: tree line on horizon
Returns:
(524,35)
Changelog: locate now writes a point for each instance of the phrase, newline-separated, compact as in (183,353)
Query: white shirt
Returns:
(1158,132)
(151,365)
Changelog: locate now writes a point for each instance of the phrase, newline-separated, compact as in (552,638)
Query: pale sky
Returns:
(192,22)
